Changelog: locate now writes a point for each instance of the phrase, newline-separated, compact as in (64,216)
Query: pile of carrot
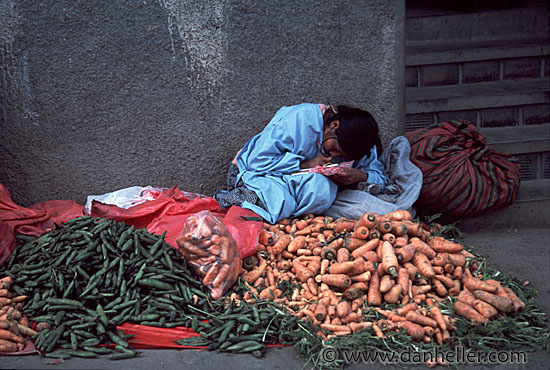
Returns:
(344,266)
(14,325)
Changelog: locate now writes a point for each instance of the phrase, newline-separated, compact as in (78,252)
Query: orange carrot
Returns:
(405,254)
(358,327)
(389,260)
(355,290)
(412,270)
(458,272)
(343,225)
(439,288)
(399,215)
(281,243)
(352,243)
(401,241)
(422,247)
(386,283)
(440,244)
(438,317)
(7,346)
(399,228)
(337,280)
(403,279)
(341,267)
(364,276)
(420,289)
(519,305)
(485,309)
(405,308)
(455,290)
(388,237)
(413,330)
(457,259)
(296,243)
(357,303)
(420,319)
(384,226)
(254,274)
(448,282)
(378,332)
(343,308)
(374,297)
(368,246)
(342,254)
(440,259)
(336,328)
(328,252)
(503,304)
(311,285)
(266,238)
(415,229)
(371,256)
(320,312)
(302,272)
(8,335)
(392,296)
(361,232)
(472,284)
(420,260)
(374,234)
(368,219)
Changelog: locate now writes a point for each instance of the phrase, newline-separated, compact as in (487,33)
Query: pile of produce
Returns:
(344,264)
(90,275)
(14,325)
(383,283)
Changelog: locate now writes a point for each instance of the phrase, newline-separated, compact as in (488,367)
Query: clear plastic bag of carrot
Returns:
(342,270)
(210,250)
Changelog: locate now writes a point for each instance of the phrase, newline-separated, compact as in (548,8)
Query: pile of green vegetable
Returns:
(92,274)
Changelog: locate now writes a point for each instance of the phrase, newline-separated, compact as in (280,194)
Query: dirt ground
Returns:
(522,253)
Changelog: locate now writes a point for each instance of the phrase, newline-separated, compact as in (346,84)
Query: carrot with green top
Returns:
(389,259)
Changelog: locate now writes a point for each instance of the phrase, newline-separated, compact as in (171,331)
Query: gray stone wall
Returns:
(100,95)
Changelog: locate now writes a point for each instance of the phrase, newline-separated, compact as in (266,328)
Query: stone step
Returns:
(531,209)
(477,95)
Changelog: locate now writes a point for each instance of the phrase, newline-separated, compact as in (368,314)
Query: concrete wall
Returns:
(101,95)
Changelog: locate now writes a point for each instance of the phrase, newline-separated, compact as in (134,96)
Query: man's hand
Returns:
(348,176)
(314,162)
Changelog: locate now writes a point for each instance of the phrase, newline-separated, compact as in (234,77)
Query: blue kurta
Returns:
(267,161)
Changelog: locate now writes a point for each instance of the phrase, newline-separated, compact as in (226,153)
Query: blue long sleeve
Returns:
(373,168)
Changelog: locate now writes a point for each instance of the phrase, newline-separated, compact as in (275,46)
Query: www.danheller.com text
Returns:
(458,354)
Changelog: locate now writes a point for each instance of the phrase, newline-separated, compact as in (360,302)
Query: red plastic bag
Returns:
(210,250)
(34,220)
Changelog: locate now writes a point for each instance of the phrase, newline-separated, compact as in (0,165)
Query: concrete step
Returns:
(477,95)
(531,209)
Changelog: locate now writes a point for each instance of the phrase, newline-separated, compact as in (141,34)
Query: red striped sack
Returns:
(462,177)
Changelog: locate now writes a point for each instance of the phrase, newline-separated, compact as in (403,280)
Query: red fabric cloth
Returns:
(34,220)
(149,337)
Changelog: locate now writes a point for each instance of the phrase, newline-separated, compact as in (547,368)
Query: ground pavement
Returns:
(522,253)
